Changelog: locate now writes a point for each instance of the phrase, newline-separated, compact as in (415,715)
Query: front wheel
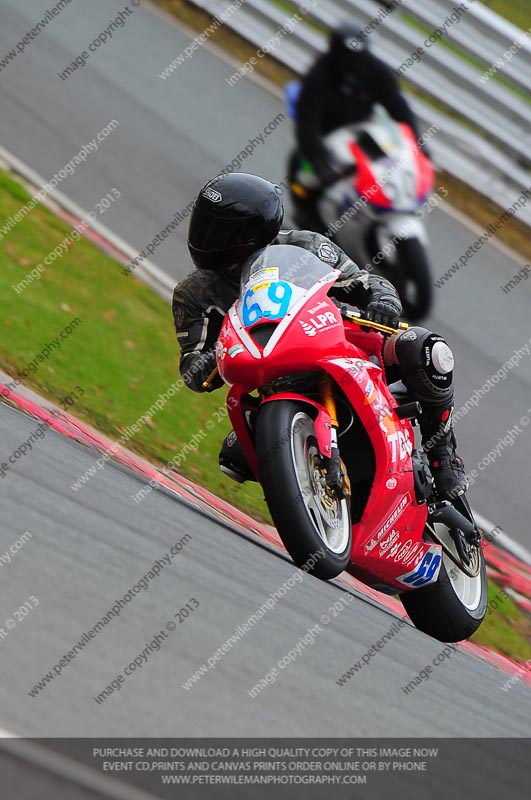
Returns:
(312,521)
(413,279)
(452,608)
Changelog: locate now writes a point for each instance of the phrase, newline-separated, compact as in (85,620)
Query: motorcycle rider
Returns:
(235,216)
(340,88)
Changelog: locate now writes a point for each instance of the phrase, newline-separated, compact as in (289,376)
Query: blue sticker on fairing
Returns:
(267,300)
(424,573)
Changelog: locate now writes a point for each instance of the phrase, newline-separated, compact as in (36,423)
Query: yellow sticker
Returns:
(259,286)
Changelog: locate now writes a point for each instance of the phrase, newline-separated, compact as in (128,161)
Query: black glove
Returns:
(196,367)
(385,309)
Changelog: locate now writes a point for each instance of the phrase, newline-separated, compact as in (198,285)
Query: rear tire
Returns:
(310,519)
(453,608)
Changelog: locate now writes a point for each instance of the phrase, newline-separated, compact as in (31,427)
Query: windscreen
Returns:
(276,279)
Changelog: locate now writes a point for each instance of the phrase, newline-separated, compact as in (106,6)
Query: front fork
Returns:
(336,474)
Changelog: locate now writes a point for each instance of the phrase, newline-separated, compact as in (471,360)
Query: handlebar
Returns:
(367,323)
(208,381)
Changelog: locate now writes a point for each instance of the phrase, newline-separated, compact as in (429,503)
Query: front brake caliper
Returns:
(336,474)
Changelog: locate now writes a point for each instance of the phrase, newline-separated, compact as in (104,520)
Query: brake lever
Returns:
(206,384)
(367,323)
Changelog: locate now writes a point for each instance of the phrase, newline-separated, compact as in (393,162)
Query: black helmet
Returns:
(347,42)
(233,216)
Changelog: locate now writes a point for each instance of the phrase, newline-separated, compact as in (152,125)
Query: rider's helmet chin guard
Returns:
(233,216)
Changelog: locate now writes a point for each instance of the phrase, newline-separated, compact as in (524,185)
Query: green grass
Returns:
(123,355)
(505,628)
(516,11)
(291,9)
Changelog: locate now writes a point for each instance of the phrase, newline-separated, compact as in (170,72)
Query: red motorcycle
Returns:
(334,449)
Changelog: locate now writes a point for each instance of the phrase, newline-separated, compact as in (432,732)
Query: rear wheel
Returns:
(453,608)
(312,521)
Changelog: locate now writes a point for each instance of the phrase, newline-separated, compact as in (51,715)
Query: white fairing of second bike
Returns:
(395,172)
(405,226)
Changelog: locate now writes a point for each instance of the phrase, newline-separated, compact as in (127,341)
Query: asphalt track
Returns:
(87,548)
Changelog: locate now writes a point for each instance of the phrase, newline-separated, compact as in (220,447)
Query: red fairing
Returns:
(388,538)
(366,181)
(319,319)
(424,169)
(388,541)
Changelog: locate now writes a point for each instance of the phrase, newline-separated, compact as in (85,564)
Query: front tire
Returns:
(414,279)
(313,523)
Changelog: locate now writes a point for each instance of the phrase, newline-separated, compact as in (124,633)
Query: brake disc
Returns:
(472,570)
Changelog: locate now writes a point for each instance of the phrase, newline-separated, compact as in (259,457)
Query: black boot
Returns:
(440,444)
(232,461)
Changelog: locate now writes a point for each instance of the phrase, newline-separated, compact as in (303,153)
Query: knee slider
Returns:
(442,358)
(437,358)
(436,366)
(425,361)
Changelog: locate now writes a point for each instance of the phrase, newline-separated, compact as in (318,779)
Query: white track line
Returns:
(70,769)
(503,540)
(159,280)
